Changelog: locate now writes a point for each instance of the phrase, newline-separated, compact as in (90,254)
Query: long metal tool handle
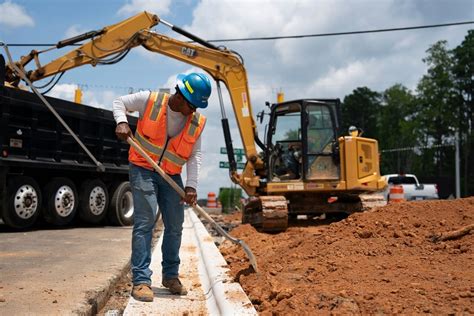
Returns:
(178,189)
(199,209)
(99,165)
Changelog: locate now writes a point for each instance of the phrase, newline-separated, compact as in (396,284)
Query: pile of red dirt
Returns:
(389,260)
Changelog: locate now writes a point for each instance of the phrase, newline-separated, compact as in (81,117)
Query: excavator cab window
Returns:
(320,129)
(285,159)
(321,141)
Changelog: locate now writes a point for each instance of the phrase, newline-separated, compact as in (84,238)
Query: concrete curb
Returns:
(226,297)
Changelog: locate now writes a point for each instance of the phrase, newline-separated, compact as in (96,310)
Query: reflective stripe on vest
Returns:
(194,124)
(158,151)
(156,106)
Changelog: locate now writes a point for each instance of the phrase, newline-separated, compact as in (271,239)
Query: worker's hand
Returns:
(191,196)
(123,131)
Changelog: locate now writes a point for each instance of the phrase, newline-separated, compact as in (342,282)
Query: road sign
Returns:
(237,151)
(225,164)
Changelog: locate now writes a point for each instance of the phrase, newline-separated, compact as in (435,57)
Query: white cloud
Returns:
(63,91)
(74,30)
(13,15)
(99,98)
(152,6)
(343,78)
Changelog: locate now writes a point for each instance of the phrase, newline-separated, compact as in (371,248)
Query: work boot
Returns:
(142,292)
(175,286)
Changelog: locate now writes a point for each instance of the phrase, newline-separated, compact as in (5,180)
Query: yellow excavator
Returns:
(303,167)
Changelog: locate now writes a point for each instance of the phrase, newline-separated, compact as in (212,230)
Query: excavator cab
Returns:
(302,141)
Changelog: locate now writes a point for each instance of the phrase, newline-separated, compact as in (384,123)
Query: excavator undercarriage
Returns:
(270,213)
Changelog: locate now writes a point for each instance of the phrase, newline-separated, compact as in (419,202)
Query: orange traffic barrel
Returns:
(396,194)
(211,200)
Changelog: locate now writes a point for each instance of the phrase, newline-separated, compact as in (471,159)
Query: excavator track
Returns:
(353,203)
(267,213)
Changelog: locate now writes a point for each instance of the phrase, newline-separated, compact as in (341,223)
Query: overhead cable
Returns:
(306,35)
(341,33)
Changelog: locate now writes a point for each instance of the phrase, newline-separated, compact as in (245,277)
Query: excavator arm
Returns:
(113,40)
(112,43)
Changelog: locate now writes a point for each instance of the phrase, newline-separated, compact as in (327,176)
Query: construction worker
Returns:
(169,129)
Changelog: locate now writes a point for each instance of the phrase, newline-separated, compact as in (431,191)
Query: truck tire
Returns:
(121,204)
(61,201)
(93,201)
(24,202)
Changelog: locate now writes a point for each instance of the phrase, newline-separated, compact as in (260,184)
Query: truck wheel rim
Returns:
(64,201)
(26,201)
(127,205)
(97,201)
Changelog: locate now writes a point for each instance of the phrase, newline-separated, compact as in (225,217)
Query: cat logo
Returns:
(186,51)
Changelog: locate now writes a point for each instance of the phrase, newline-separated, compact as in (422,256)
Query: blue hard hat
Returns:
(195,87)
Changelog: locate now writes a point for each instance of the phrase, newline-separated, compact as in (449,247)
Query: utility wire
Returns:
(342,33)
(306,35)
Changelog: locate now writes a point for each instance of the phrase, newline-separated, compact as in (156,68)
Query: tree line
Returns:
(416,129)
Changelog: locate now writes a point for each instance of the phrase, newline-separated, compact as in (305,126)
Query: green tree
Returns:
(437,109)
(230,198)
(361,110)
(397,129)
(464,82)
(292,134)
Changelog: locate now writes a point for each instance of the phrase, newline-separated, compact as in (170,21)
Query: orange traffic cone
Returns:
(211,200)
(396,194)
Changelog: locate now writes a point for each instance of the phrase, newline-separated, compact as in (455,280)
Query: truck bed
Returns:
(45,173)
(30,135)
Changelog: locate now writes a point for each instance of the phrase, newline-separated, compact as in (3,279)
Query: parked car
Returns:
(412,188)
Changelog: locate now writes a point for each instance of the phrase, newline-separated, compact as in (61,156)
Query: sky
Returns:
(318,67)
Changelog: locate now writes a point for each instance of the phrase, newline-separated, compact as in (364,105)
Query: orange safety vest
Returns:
(171,154)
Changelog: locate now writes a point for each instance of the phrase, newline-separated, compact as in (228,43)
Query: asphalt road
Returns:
(60,271)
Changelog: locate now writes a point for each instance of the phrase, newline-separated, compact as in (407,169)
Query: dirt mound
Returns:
(381,261)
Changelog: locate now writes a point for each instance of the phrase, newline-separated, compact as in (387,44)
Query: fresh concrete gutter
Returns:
(226,296)
(204,272)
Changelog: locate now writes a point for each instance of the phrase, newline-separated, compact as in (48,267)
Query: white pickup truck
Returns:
(412,188)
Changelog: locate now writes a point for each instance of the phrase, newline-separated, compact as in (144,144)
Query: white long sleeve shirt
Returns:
(175,124)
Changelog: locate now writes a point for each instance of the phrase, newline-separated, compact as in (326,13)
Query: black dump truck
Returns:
(45,173)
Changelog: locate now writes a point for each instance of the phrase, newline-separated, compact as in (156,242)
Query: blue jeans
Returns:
(149,189)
